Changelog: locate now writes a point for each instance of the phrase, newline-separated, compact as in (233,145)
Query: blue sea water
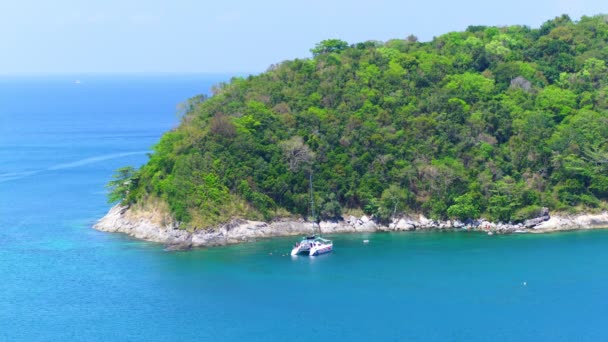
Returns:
(60,280)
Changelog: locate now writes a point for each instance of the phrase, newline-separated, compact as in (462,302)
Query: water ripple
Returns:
(92,160)
(10,176)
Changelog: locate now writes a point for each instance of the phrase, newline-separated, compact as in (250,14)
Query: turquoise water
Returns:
(60,280)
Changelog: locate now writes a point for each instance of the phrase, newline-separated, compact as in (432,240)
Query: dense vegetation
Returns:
(493,121)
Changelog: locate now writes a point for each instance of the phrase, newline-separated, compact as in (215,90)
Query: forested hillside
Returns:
(493,121)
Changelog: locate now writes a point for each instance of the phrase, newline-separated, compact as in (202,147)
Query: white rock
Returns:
(369,226)
(404,225)
(351,220)
(156,226)
(328,227)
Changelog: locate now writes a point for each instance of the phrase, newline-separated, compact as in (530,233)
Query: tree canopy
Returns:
(494,122)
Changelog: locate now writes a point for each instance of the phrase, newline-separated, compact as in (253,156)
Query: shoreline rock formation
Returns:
(156,227)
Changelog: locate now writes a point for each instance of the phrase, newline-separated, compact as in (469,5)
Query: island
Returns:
(498,129)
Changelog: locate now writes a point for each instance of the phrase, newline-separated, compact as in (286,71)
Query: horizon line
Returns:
(125,73)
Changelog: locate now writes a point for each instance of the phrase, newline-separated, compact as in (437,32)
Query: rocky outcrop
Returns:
(544,216)
(571,222)
(155,225)
(147,225)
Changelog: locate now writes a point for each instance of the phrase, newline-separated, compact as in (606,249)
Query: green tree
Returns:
(123,180)
(471,87)
(328,46)
(465,207)
(393,201)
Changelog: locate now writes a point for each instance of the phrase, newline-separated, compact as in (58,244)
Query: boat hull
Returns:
(300,250)
(318,250)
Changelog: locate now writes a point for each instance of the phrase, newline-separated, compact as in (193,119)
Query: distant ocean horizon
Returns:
(62,137)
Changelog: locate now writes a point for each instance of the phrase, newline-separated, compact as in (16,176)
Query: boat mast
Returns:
(312,202)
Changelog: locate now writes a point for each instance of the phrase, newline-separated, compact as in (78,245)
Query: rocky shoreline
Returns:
(157,227)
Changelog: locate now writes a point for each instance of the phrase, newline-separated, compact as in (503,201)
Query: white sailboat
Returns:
(312,245)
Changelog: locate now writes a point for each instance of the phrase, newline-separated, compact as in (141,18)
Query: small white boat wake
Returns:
(92,160)
(10,176)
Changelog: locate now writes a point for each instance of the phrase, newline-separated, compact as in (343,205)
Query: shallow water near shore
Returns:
(61,280)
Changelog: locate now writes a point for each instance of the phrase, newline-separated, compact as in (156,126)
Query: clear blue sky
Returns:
(70,36)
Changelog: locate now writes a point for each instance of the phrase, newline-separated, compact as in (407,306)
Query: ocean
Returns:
(61,138)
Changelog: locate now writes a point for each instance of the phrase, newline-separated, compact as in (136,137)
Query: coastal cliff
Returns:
(153,225)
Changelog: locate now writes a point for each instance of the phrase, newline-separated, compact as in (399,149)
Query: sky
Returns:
(232,36)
